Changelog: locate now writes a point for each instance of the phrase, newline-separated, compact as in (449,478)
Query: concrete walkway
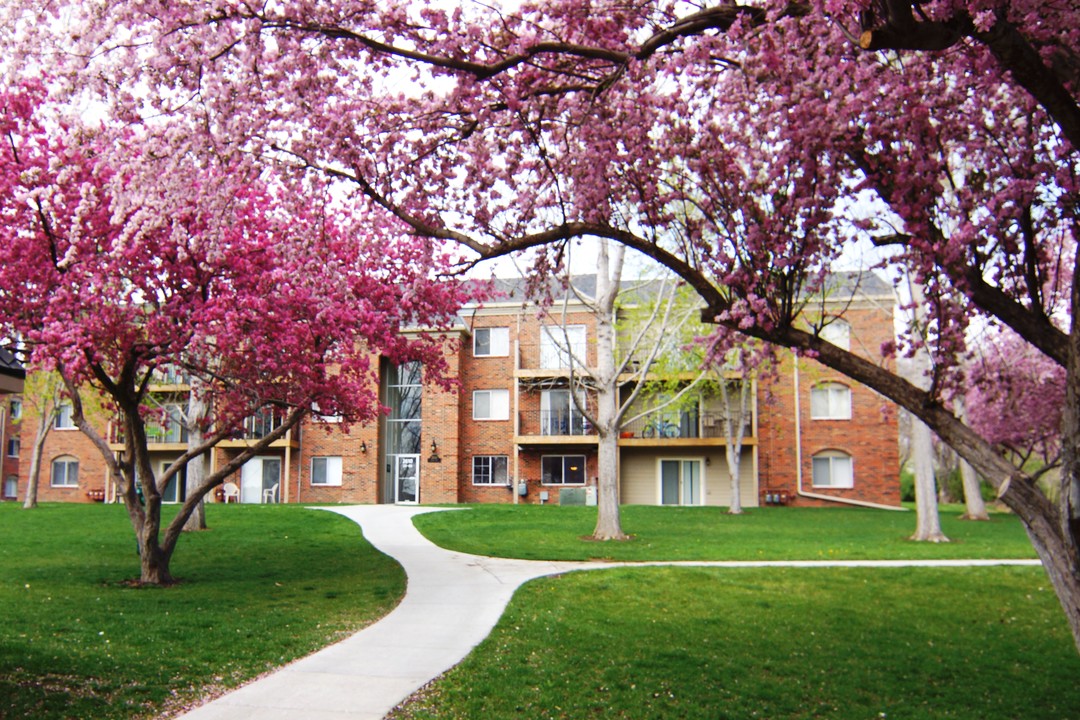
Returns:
(452,602)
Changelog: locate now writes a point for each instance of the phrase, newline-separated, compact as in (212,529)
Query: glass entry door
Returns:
(680,482)
(258,475)
(406,478)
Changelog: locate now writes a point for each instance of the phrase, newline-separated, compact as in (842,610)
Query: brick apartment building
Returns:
(509,432)
(11,384)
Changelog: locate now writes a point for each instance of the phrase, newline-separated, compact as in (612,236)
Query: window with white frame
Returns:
(836,331)
(830,401)
(326,471)
(16,409)
(490,470)
(65,417)
(65,472)
(13,447)
(491,342)
(833,469)
(318,416)
(562,469)
(491,405)
(560,345)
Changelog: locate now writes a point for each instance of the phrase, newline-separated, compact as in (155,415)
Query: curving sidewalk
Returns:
(451,603)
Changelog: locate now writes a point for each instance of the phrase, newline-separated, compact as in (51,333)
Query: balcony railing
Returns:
(555,423)
(672,425)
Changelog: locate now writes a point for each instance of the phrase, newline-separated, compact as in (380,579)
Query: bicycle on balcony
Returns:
(660,428)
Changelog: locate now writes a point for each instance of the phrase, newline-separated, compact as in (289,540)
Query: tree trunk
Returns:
(44,421)
(928,523)
(975,506)
(608,520)
(196,467)
(153,560)
(734,430)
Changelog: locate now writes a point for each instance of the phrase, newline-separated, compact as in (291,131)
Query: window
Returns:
(326,471)
(13,447)
(16,409)
(491,342)
(491,405)
(836,331)
(65,472)
(833,469)
(559,345)
(65,417)
(830,401)
(490,470)
(318,416)
(562,470)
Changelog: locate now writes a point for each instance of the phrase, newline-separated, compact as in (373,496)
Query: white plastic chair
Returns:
(270,494)
(230,492)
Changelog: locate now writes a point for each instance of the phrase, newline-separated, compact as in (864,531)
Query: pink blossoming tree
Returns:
(745,146)
(118,261)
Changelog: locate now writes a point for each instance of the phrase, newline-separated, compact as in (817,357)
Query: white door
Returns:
(257,475)
(406,479)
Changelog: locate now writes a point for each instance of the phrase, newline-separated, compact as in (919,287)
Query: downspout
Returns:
(798,458)
(515,478)
(284,497)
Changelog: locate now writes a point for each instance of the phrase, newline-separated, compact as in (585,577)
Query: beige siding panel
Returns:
(638,476)
(718,479)
(639,483)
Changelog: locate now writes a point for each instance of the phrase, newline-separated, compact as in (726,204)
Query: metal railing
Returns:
(555,423)
(672,425)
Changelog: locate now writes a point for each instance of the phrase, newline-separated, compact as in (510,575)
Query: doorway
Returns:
(259,475)
(406,479)
(680,482)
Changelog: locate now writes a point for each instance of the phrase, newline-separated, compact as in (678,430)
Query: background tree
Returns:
(626,355)
(1016,399)
(778,125)
(274,305)
(43,392)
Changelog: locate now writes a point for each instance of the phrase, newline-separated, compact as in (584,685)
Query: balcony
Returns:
(261,424)
(554,427)
(680,428)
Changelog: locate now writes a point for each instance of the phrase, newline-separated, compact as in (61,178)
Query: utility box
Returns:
(572,496)
(590,496)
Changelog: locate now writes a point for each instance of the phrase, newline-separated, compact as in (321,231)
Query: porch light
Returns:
(434,453)
(363,447)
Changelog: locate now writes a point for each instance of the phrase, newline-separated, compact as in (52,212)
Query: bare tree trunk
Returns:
(928,523)
(196,467)
(735,430)
(608,520)
(44,421)
(975,506)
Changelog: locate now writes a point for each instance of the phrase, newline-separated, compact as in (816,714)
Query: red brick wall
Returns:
(93,472)
(870,437)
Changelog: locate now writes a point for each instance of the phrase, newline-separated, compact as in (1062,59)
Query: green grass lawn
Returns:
(777,643)
(265,585)
(706,533)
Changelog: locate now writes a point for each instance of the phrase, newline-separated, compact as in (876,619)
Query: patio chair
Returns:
(270,494)
(230,492)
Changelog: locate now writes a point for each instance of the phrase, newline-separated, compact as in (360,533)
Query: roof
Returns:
(10,366)
(838,285)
